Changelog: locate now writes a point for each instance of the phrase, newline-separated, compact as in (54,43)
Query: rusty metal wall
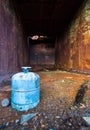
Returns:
(42,54)
(13,53)
(73,50)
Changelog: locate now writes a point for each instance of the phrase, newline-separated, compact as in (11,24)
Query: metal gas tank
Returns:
(25,90)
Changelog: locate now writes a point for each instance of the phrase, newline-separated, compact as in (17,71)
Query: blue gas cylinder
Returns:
(25,90)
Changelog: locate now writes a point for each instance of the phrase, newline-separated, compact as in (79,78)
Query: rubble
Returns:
(56,110)
(5,102)
(87,120)
(27,117)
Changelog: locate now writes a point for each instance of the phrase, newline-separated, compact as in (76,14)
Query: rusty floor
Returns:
(58,93)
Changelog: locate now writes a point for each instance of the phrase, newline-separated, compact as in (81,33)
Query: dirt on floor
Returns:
(64,101)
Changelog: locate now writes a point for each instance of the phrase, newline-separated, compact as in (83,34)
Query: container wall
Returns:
(13,53)
(73,49)
(42,55)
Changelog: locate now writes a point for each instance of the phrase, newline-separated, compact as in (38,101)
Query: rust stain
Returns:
(75,45)
(87,39)
(42,54)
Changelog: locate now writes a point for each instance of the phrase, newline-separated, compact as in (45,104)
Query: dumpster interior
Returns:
(53,37)
(44,23)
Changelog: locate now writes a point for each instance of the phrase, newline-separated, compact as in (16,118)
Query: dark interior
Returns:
(46,19)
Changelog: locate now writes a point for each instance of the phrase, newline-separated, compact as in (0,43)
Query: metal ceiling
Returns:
(46,17)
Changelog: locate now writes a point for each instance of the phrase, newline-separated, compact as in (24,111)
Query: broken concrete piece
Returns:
(87,120)
(27,117)
(5,102)
(16,121)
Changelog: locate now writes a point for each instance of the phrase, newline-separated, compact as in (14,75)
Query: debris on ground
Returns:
(5,102)
(27,117)
(87,120)
(56,110)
